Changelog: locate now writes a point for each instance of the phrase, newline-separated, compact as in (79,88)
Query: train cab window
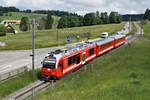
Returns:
(69,60)
(49,63)
(91,51)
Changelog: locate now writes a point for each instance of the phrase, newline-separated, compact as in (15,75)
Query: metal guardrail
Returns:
(11,73)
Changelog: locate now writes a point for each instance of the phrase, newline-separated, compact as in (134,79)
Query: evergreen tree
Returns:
(98,20)
(1,13)
(89,19)
(73,21)
(147,14)
(104,18)
(80,20)
(2,30)
(24,25)
(119,18)
(63,22)
(113,17)
(41,23)
(49,21)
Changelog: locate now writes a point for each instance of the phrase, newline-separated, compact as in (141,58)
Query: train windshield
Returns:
(49,63)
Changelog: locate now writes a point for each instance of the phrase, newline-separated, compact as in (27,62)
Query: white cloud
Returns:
(82,6)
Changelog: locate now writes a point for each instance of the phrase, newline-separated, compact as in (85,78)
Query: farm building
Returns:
(9,28)
(15,22)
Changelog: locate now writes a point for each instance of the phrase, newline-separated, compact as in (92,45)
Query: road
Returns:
(14,59)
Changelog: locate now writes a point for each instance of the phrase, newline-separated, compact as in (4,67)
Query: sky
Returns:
(82,6)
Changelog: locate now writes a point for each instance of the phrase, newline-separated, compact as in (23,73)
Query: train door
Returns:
(83,58)
(60,67)
(78,59)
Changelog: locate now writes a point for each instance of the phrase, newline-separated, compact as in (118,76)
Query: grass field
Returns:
(48,38)
(120,75)
(17,82)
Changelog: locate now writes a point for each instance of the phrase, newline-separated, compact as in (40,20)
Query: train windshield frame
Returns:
(49,63)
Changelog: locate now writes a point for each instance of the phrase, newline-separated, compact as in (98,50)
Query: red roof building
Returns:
(15,22)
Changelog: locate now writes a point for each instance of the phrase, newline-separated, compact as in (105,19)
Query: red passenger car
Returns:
(57,64)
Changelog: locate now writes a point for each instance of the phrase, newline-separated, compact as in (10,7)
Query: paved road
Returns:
(14,59)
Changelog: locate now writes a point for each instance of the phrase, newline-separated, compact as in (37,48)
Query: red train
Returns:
(60,62)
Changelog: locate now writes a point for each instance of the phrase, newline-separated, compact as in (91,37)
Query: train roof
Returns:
(117,36)
(81,45)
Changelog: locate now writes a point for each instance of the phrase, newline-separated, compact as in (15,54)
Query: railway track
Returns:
(41,85)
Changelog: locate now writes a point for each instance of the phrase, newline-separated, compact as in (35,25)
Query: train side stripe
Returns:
(90,57)
(120,43)
(105,50)
(68,69)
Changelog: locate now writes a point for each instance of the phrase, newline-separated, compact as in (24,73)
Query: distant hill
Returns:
(134,17)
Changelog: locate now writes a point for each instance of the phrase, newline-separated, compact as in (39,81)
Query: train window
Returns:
(78,58)
(91,51)
(69,60)
(74,58)
(106,45)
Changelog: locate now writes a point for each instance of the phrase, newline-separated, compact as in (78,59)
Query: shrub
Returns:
(2,30)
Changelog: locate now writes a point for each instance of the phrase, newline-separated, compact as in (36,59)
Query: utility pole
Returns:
(130,24)
(33,47)
(57,36)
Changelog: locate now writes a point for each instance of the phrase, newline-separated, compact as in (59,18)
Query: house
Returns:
(10,29)
(15,22)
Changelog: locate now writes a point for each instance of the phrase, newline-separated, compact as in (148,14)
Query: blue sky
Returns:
(82,6)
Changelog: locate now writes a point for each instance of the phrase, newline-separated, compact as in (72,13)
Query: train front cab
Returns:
(49,71)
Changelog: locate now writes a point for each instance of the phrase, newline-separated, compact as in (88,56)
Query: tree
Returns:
(24,25)
(104,18)
(2,30)
(41,23)
(73,21)
(98,19)
(1,13)
(113,17)
(28,11)
(119,18)
(147,14)
(63,22)
(89,19)
(80,20)
(49,21)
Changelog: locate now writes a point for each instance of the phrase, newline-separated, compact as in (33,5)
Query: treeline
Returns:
(89,19)
(132,17)
(8,9)
(52,12)
(147,14)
